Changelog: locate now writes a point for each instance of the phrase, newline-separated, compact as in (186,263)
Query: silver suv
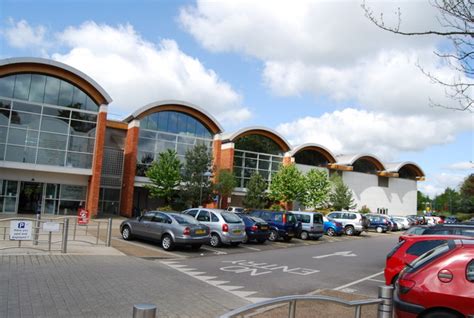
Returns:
(226,227)
(353,222)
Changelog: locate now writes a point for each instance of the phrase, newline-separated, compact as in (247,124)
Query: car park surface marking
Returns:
(256,269)
(216,283)
(213,250)
(342,253)
(357,281)
(251,248)
(149,247)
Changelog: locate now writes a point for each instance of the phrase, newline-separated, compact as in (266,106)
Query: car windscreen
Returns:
(184,219)
(231,217)
(429,256)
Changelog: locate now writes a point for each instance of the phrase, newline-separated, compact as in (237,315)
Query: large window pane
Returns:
(4,116)
(173,123)
(79,160)
(2,151)
(191,125)
(53,141)
(22,86)
(51,157)
(65,94)
(73,192)
(27,107)
(181,123)
(55,124)
(81,144)
(56,112)
(68,207)
(52,191)
(3,134)
(146,145)
(79,99)
(163,121)
(83,128)
(25,120)
(10,205)
(51,92)
(91,105)
(38,83)
(111,194)
(20,154)
(12,187)
(6,86)
(84,116)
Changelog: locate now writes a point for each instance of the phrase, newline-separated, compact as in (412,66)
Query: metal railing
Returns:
(69,230)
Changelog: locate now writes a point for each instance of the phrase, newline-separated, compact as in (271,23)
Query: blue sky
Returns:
(315,71)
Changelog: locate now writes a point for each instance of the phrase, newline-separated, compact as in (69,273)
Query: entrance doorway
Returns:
(31,196)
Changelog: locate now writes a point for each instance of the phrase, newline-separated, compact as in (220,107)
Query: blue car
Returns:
(332,228)
(255,228)
(282,224)
(380,223)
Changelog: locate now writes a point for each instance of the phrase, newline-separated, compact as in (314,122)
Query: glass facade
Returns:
(311,158)
(365,166)
(168,130)
(109,201)
(407,173)
(35,128)
(256,153)
(8,196)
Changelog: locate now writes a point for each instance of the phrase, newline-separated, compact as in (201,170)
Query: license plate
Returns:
(237,231)
(200,231)
(264,228)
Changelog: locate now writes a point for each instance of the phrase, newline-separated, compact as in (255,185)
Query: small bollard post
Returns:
(109,233)
(144,311)
(36,230)
(65,233)
(385,308)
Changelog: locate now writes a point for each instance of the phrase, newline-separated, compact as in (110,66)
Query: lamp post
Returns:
(206,174)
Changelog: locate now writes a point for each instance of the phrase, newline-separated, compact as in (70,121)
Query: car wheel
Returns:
(167,242)
(235,243)
(379,229)
(349,230)
(126,233)
(330,231)
(304,235)
(261,241)
(215,240)
(440,314)
(273,236)
(196,246)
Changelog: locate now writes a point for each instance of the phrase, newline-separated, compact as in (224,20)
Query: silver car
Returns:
(226,227)
(170,229)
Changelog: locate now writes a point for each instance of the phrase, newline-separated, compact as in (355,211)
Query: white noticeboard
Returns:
(20,230)
(51,227)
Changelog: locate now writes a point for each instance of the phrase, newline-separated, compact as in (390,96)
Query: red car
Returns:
(408,249)
(439,284)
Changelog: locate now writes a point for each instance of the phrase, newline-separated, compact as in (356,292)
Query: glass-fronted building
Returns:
(58,151)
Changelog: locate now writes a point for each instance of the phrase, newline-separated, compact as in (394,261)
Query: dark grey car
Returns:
(170,229)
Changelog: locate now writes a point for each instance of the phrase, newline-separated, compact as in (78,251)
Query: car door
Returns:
(204,217)
(141,227)
(157,224)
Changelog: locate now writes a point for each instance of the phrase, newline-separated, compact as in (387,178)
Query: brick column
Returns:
(227,163)
(129,168)
(92,204)
(216,162)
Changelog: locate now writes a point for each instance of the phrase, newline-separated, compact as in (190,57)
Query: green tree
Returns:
(340,196)
(165,176)
(447,202)
(287,185)
(467,195)
(317,188)
(225,183)
(256,197)
(197,187)
(422,201)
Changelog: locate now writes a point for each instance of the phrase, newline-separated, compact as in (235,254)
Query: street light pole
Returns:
(204,174)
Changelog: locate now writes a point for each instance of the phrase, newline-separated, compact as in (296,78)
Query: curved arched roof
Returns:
(20,65)
(315,147)
(397,166)
(259,130)
(179,106)
(350,159)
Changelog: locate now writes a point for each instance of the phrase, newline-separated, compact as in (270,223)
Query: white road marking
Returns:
(377,280)
(348,290)
(251,248)
(150,248)
(214,251)
(357,281)
(342,253)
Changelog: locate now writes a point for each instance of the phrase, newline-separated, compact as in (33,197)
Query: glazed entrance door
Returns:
(31,195)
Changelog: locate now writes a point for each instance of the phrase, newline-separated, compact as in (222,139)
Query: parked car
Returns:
(451,219)
(332,227)
(395,225)
(282,224)
(170,229)
(439,283)
(255,228)
(416,230)
(403,222)
(354,222)
(225,227)
(379,223)
(311,224)
(451,229)
(408,249)
(235,209)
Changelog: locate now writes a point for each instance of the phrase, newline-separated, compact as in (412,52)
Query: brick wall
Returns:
(129,168)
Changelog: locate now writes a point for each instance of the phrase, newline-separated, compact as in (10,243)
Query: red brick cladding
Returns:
(129,169)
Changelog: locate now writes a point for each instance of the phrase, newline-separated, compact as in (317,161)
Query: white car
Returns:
(402,222)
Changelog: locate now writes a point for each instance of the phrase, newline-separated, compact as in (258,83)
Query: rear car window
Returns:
(184,219)
(334,215)
(470,271)
(419,248)
(416,230)
(317,219)
(230,217)
(428,257)
(395,248)
(214,218)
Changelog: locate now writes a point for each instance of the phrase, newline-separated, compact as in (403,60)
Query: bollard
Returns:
(385,308)
(109,233)
(292,309)
(65,233)
(37,228)
(144,311)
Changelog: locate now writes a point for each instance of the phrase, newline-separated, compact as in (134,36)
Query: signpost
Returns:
(20,230)
(82,216)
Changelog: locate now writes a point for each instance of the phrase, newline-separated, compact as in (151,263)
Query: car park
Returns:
(225,227)
(379,223)
(331,227)
(451,229)
(311,224)
(170,229)
(408,249)
(255,228)
(282,224)
(439,283)
(354,223)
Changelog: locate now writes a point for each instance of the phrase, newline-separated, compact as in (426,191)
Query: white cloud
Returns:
(439,182)
(21,35)
(356,131)
(136,72)
(466,165)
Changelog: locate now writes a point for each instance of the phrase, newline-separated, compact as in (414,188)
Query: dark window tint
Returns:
(258,143)
(439,231)
(470,271)
(230,217)
(161,218)
(203,216)
(317,219)
(429,256)
(192,212)
(290,218)
(416,230)
(335,215)
(422,247)
(148,216)
(266,216)
(214,217)
(467,232)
